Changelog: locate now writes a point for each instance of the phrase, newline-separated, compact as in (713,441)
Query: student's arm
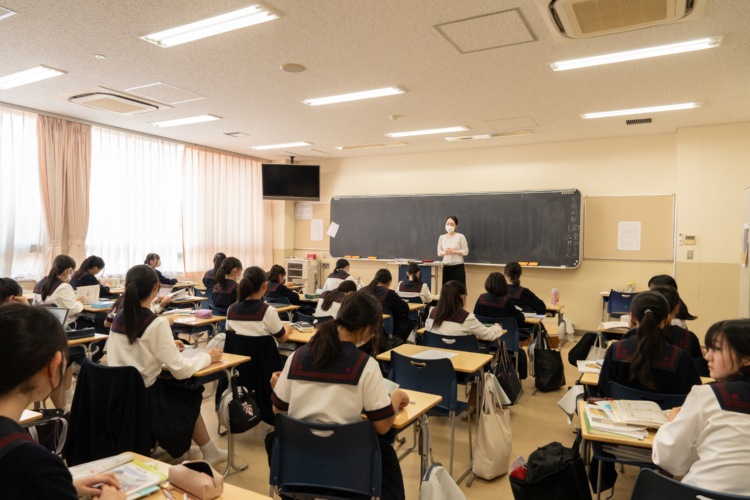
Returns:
(476,308)
(379,408)
(425,294)
(274,326)
(607,372)
(535,302)
(65,297)
(89,279)
(674,443)
(161,344)
(397,304)
(514,313)
(282,390)
(292,296)
(482,332)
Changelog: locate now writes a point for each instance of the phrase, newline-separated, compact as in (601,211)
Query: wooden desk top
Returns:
(309,301)
(193,321)
(104,310)
(556,308)
(414,306)
(31,416)
(464,362)
(231,492)
(532,321)
(593,379)
(299,337)
(87,340)
(282,308)
(423,402)
(638,443)
(118,290)
(227,361)
(424,329)
(184,284)
(28,295)
(616,331)
(188,300)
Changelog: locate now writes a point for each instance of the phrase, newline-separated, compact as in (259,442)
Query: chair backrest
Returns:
(208,293)
(413,300)
(434,376)
(278,300)
(665,401)
(388,322)
(325,461)
(619,303)
(218,311)
(650,485)
(313,320)
(467,343)
(511,338)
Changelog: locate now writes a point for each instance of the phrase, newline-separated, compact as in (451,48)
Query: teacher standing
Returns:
(452,247)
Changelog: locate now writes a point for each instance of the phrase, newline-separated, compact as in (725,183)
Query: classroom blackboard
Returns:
(541,227)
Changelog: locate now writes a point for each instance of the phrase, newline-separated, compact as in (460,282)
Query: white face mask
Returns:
(450,229)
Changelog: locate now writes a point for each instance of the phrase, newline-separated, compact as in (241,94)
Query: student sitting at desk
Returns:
(251,316)
(649,362)
(522,297)
(683,314)
(450,317)
(153,260)
(495,303)
(157,306)
(86,274)
(312,387)
(225,289)
(339,274)
(31,364)
(707,439)
(55,288)
(141,339)
(329,302)
(276,287)
(209,279)
(11,292)
(414,287)
(380,288)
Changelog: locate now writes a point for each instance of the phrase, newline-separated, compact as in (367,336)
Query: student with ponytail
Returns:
(153,260)
(31,363)
(329,302)
(225,289)
(450,317)
(251,316)
(649,362)
(380,288)
(495,303)
(413,286)
(520,296)
(330,381)
(209,279)
(276,288)
(141,339)
(339,274)
(86,274)
(55,289)
(683,314)
(707,439)
(11,292)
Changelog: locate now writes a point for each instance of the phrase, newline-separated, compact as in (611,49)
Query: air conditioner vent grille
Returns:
(638,121)
(596,16)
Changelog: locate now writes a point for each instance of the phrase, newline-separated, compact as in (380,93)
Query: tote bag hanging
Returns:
(598,350)
(494,436)
(507,375)
(549,372)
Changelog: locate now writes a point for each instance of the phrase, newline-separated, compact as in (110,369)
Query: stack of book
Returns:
(623,418)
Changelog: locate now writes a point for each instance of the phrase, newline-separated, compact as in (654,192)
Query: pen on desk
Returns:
(412,401)
(167,493)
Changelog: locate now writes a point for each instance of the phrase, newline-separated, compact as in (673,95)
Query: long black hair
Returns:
(88,263)
(276,272)
(450,302)
(30,336)
(344,287)
(382,276)
(226,267)
(341,264)
(251,282)
(139,283)
(513,272)
(218,259)
(413,272)
(60,264)
(650,309)
(358,310)
(667,280)
(496,284)
(736,333)
(9,288)
(150,257)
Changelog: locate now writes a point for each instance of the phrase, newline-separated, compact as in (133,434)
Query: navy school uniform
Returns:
(673,369)
(278,290)
(402,325)
(209,280)
(526,300)
(88,279)
(225,296)
(684,339)
(495,306)
(164,280)
(335,279)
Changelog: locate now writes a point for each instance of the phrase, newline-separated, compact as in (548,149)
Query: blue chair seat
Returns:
(650,485)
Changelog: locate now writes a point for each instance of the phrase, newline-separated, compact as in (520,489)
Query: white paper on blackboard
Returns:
(303,211)
(333,230)
(629,236)
(316,230)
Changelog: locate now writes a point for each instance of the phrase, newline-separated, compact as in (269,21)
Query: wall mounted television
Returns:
(291,182)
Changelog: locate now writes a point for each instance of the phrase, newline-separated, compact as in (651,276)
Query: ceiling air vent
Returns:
(589,18)
(113,101)
(638,121)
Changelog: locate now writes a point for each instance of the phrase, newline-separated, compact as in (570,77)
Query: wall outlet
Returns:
(679,239)
(326,265)
(690,254)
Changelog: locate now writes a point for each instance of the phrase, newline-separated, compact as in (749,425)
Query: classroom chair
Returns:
(278,301)
(433,376)
(109,414)
(346,460)
(416,315)
(208,293)
(388,322)
(466,343)
(619,304)
(650,485)
(511,339)
(665,401)
(313,320)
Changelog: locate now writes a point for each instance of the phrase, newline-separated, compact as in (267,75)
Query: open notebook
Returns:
(136,478)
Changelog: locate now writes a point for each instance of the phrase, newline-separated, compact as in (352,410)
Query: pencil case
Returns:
(204,313)
(198,479)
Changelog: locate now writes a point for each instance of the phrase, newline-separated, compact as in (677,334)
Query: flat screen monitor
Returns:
(291,182)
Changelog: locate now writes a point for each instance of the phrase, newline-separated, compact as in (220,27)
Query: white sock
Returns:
(212,453)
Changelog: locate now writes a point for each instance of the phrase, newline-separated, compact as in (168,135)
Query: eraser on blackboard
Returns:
(348,257)
(533,263)
(354,257)
(371,257)
(523,263)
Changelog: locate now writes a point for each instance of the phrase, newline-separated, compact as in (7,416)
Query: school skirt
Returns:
(174,407)
(454,273)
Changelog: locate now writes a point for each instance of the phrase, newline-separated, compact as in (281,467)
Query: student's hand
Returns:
(399,399)
(215,355)
(180,345)
(673,413)
(287,330)
(19,299)
(110,493)
(108,481)
(170,318)
(80,299)
(164,301)
(275,378)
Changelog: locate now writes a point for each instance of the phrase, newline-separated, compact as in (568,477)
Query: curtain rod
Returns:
(120,129)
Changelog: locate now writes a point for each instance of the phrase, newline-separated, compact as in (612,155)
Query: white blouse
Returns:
(423,294)
(332,311)
(457,243)
(64,296)
(470,326)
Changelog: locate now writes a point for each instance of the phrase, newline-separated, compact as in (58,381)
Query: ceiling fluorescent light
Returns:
(639,111)
(185,121)
(427,132)
(248,16)
(493,135)
(280,146)
(6,13)
(632,55)
(28,76)
(368,146)
(356,96)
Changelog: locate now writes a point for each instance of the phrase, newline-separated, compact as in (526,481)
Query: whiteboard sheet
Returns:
(316,230)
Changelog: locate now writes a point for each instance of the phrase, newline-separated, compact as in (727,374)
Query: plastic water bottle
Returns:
(555,296)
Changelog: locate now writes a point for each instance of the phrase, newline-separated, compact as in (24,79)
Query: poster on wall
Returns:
(629,235)
(745,243)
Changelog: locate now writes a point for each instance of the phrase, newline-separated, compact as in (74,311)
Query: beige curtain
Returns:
(64,168)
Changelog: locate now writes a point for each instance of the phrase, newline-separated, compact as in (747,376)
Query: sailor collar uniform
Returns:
(225,296)
(61,294)
(463,323)
(410,289)
(254,318)
(333,310)
(495,306)
(526,300)
(335,278)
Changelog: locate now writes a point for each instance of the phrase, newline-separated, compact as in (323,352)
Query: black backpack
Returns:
(553,472)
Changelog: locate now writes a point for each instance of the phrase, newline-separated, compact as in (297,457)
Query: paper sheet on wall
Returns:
(745,243)
(316,230)
(629,235)
(303,211)
(333,230)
